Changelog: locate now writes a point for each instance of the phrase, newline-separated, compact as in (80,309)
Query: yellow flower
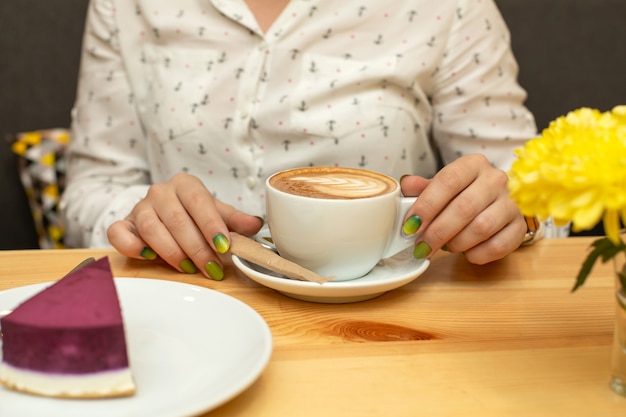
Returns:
(575,171)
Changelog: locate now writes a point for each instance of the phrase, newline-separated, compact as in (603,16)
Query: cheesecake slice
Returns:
(68,340)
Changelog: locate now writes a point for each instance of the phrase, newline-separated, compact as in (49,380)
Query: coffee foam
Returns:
(333,183)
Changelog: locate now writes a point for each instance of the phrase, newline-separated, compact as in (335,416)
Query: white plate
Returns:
(389,274)
(191,349)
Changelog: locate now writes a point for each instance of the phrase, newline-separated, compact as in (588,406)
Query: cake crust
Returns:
(108,384)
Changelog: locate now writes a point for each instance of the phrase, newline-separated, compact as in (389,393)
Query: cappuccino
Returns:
(333,183)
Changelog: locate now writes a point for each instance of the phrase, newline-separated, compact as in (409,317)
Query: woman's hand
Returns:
(466,208)
(181,222)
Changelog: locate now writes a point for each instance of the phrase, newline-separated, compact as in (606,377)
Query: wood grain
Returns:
(504,339)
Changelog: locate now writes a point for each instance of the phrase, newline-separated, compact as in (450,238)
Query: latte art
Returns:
(346,185)
(333,183)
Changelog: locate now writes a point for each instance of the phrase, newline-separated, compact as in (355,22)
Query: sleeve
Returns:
(107,172)
(478,103)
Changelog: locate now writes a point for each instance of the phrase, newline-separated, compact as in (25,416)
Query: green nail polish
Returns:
(148,253)
(221,243)
(421,251)
(214,271)
(411,225)
(445,248)
(188,267)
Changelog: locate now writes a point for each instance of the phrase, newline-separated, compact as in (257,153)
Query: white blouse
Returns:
(195,86)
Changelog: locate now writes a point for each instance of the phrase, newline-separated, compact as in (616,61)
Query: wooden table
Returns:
(505,339)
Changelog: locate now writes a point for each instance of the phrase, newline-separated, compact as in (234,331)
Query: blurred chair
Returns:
(40,43)
(572,53)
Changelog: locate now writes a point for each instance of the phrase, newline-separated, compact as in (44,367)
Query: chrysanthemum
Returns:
(575,171)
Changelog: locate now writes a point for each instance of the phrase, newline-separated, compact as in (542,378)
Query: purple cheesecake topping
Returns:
(72,327)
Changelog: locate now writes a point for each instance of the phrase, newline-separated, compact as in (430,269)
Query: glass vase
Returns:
(618,366)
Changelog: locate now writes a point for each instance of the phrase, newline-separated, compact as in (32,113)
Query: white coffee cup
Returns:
(338,222)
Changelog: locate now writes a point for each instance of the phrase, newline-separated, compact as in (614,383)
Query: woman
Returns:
(184,109)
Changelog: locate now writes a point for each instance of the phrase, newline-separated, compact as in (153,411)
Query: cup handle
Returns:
(399,241)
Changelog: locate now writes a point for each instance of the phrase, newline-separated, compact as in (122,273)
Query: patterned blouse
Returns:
(196,86)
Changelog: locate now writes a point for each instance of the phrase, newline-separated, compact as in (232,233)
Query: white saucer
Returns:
(389,274)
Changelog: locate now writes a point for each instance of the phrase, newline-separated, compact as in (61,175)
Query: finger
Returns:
(505,241)
(413,185)
(184,217)
(472,216)
(238,221)
(499,215)
(445,186)
(160,236)
(209,233)
(161,221)
(123,237)
(453,201)
(214,219)
(200,212)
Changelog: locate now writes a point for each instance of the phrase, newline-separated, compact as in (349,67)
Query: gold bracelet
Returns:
(533,230)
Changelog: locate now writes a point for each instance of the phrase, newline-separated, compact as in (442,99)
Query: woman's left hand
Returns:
(466,208)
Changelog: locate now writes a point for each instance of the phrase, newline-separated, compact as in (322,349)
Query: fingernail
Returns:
(421,251)
(402,177)
(214,270)
(411,225)
(148,253)
(221,243)
(188,267)
(262,220)
(445,248)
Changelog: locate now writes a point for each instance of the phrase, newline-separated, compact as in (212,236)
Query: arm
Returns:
(478,103)
(479,118)
(107,168)
(110,197)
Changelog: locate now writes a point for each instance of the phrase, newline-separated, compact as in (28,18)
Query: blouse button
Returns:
(251,182)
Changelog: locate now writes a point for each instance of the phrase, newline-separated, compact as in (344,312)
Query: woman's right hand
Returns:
(180,221)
